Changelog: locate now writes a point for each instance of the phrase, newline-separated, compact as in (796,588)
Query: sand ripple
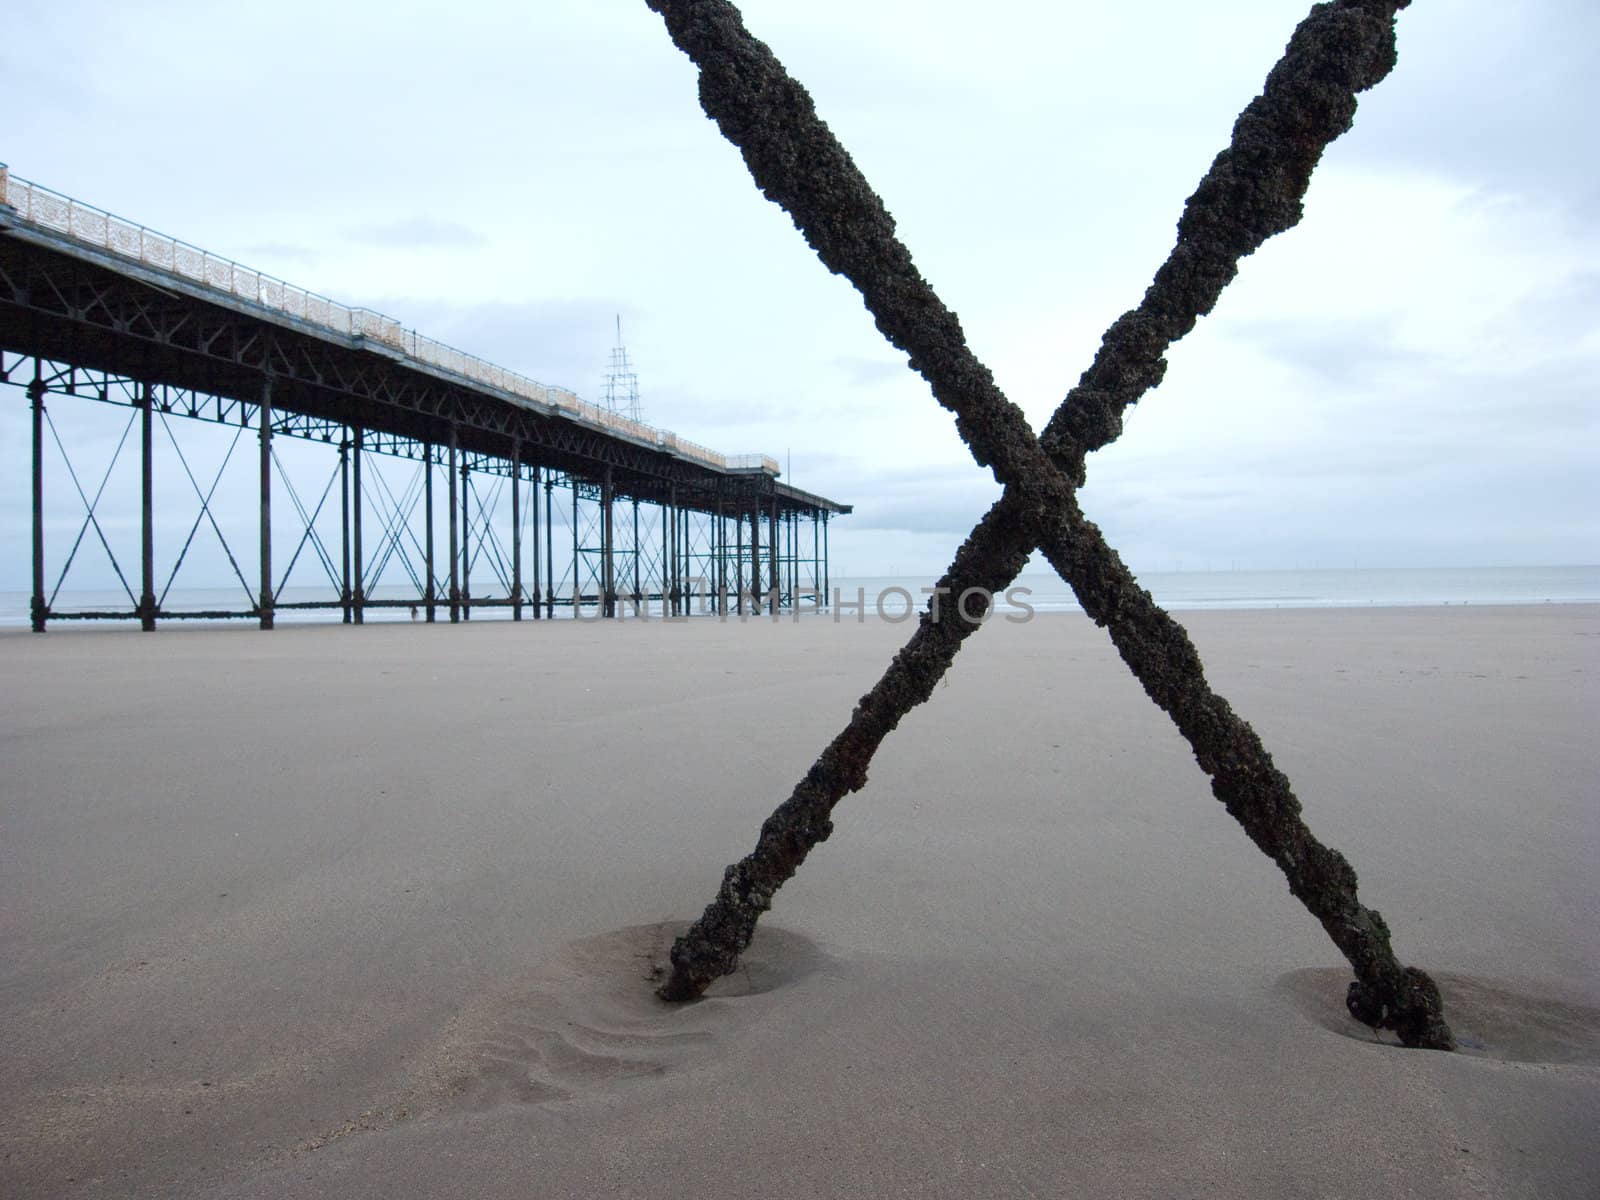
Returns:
(587,1022)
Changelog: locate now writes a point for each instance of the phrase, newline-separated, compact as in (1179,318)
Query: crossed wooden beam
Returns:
(1253,190)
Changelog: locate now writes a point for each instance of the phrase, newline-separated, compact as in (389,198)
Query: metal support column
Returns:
(359,600)
(36,396)
(774,545)
(816,557)
(344,523)
(466,540)
(738,560)
(359,596)
(429,592)
(720,565)
(577,584)
(533,499)
(266,502)
(755,557)
(827,589)
(549,551)
(637,598)
(455,545)
(516,530)
(669,568)
(147,531)
(608,581)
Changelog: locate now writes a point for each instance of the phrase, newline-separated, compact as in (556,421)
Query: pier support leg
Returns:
(720,567)
(466,540)
(147,532)
(36,399)
(637,600)
(827,583)
(516,531)
(358,599)
(669,568)
(755,558)
(345,595)
(455,545)
(266,602)
(773,556)
(577,582)
(816,558)
(608,581)
(738,561)
(549,551)
(533,499)
(430,597)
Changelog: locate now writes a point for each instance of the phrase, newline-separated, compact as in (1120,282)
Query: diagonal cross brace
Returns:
(481,529)
(398,511)
(1252,191)
(89,506)
(205,513)
(308,523)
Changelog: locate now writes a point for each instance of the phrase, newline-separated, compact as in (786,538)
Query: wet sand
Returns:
(373,913)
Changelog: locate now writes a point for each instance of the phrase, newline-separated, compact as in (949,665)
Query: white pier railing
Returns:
(41,207)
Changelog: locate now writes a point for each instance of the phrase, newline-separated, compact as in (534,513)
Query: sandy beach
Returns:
(371,912)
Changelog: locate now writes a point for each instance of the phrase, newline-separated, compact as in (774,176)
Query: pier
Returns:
(469,486)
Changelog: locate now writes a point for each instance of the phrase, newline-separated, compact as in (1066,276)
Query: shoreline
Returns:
(898,596)
(786,617)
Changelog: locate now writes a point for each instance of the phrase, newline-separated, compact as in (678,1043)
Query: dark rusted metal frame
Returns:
(109,330)
(377,524)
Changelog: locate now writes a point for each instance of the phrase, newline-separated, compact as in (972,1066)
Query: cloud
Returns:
(276,251)
(419,232)
(1409,370)
(946,501)
(1346,355)
(1492,95)
(867,372)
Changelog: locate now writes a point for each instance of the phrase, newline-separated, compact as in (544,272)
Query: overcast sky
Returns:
(1406,378)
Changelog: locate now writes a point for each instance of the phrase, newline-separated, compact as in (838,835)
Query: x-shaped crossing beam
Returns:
(1253,190)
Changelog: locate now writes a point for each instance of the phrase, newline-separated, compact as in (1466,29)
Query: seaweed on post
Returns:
(1252,191)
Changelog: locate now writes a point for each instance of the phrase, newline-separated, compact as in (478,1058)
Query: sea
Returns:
(895,597)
